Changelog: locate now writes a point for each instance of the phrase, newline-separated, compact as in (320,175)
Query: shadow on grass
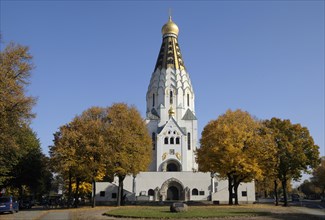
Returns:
(295,216)
(238,215)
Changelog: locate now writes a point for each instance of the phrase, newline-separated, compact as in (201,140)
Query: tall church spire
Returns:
(170,54)
(170,111)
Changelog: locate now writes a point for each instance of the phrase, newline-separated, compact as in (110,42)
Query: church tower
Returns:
(170,111)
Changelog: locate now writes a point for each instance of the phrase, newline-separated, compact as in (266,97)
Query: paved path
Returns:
(58,214)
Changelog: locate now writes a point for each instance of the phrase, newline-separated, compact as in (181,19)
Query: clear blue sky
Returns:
(265,57)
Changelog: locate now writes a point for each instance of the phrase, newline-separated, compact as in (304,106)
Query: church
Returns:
(170,116)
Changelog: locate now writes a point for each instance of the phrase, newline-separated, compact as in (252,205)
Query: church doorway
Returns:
(172,193)
(172,189)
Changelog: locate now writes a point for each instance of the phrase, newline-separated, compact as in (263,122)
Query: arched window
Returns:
(166,140)
(171,97)
(153,137)
(151,192)
(171,140)
(153,100)
(189,141)
(188,100)
(195,192)
(177,140)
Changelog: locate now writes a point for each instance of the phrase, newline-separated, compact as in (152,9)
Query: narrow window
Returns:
(177,140)
(171,97)
(195,192)
(189,141)
(166,140)
(171,140)
(153,100)
(243,193)
(102,193)
(153,136)
(188,100)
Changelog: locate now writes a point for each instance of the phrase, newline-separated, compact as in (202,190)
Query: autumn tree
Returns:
(15,105)
(63,158)
(130,142)
(318,176)
(296,151)
(236,147)
(96,149)
(80,151)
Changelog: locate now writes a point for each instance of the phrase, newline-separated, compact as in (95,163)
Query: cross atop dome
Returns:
(170,28)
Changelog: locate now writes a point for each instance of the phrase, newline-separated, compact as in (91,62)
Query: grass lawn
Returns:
(193,212)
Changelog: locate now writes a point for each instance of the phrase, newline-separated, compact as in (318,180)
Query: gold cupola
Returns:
(170,54)
(170,28)
(171,112)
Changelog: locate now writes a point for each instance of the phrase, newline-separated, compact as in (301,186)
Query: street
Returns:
(310,204)
(57,214)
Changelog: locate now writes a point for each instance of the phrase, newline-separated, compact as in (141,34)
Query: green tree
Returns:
(236,147)
(318,177)
(309,189)
(31,169)
(296,151)
(130,143)
(15,106)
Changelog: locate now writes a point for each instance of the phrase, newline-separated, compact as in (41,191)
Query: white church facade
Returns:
(172,123)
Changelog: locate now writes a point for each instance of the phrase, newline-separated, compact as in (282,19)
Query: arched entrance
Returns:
(172,166)
(172,189)
(173,193)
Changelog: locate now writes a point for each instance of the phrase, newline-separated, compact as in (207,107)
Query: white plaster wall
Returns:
(200,181)
(152,180)
(221,192)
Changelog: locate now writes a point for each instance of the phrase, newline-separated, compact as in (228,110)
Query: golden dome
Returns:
(170,28)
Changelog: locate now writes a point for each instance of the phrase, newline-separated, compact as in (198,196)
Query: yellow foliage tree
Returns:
(80,150)
(235,147)
(130,143)
(99,142)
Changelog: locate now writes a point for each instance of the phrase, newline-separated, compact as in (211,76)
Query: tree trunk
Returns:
(120,190)
(93,204)
(284,188)
(230,187)
(236,192)
(276,193)
(21,196)
(76,195)
(69,189)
